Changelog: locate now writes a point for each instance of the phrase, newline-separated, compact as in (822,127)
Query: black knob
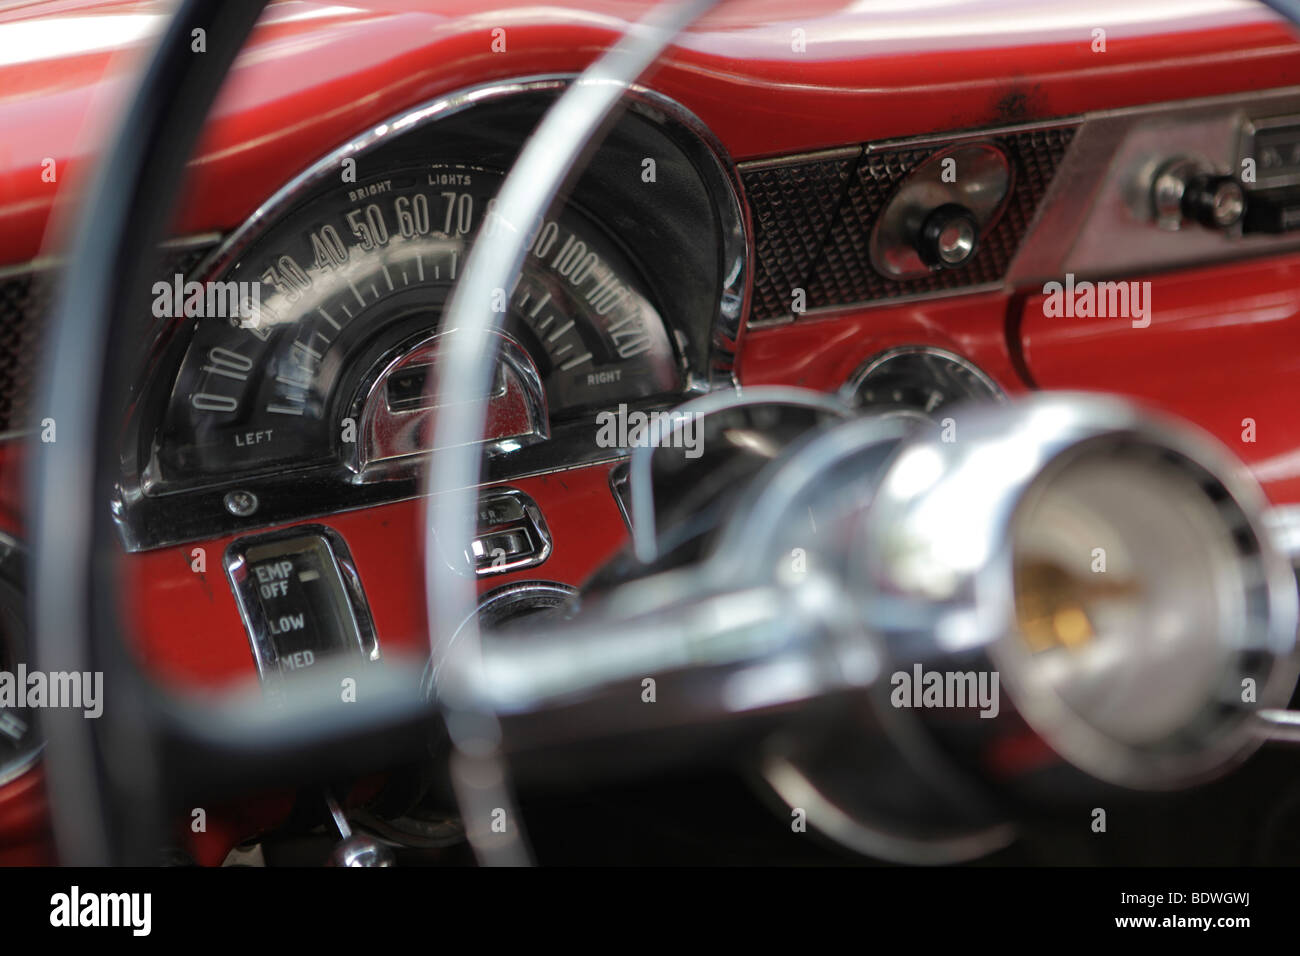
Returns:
(949,237)
(1216,202)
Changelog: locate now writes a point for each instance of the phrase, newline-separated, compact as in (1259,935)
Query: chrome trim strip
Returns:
(949,138)
(798,159)
(321,491)
(959,137)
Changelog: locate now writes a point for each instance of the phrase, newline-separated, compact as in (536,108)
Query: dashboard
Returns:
(867,203)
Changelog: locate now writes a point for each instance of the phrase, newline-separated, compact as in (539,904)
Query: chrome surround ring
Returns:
(931,600)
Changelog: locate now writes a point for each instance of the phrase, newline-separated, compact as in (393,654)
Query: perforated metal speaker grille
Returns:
(793,207)
(838,271)
(25,301)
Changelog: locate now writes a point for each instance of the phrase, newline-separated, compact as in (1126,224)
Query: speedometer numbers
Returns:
(351,286)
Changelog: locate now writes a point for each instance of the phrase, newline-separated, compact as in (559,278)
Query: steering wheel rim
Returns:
(105,781)
(84,372)
(552,155)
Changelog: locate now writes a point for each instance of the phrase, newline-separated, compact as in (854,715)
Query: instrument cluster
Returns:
(292,373)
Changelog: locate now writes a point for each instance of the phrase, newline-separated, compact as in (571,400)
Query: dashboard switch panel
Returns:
(300,599)
(843,225)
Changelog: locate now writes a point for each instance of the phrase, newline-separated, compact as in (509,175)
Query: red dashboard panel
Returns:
(1222,346)
(189,647)
(288,101)
(1222,350)
(824,352)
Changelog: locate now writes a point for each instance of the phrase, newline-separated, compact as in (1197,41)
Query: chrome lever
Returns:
(355,849)
(1278,726)
(653,655)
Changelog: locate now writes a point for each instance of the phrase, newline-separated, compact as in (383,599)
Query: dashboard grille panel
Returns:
(25,302)
(793,207)
(840,271)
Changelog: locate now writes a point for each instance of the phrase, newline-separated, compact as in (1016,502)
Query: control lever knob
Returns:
(355,849)
(358,850)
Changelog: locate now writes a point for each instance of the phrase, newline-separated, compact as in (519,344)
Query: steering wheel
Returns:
(736,646)
(105,781)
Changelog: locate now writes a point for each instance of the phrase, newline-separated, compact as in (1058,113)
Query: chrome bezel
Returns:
(539,593)
(892,242)
(146,522)
(533,520)
(407,461)
(849,390)
(250,611)
(1252,126)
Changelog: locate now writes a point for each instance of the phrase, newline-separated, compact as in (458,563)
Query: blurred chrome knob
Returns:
(1186,189)
(1216,202)
(949,237)
(360,850)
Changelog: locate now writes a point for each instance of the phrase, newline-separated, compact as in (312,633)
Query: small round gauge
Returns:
(918,381)
(336,313)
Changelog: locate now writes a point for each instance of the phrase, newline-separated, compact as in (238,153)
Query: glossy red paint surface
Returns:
(25,838)
(1222,350)
(823,352)
(188,625)
(1221,347)
(857,79)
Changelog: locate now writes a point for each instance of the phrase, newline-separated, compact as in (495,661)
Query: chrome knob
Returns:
(359,850)
(1216,202)
(949,237)
(355,849)
(1187,189)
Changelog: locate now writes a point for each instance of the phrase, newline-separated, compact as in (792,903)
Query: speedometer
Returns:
(290,377)
(339,317)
